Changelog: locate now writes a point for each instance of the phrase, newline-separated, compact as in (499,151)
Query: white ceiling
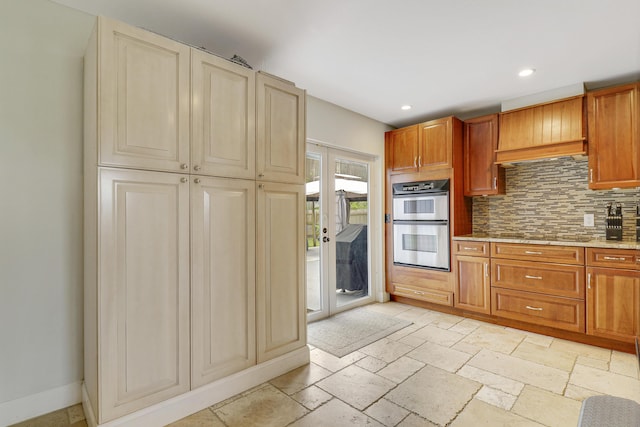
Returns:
(372,56)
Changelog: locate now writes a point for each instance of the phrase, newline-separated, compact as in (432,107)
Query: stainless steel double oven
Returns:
(421,224)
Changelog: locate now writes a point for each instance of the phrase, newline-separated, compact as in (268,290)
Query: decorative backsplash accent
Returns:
(550,198)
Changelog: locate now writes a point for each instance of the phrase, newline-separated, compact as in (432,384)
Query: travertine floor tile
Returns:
(593,363)
(446,321)
(312,397)
(303,377)
(401,369)
(75,413)
(414,420)
(397,335)
(606,382)
(537,339)
(467,348)
(527,372)
(578,393)
(548,408)
(437,335)
(434,394)
(492,380)
(545,356)
(624,364)
(57,418)
(441,357)
(386,350)
(388,413)
(496,339)
(265,407)
(415,313)
(335,413)
(466,326)
(496,397)
(333,363)
(356,386)
(582,349)
(371,364)
(390,308)
(204,418)
(412,341)
(478,413)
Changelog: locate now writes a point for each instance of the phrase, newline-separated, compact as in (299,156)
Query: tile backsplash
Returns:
(550,198)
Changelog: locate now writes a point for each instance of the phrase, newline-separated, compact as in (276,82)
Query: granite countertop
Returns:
(552,240)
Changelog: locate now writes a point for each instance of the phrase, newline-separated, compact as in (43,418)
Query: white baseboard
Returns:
(41,403)
(202,397)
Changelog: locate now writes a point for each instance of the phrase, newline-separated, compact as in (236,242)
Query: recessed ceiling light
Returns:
(406,107)
(526,72)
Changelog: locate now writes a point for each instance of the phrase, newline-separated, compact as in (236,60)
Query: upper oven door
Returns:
(421,207)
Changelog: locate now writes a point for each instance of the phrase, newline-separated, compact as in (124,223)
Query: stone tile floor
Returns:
(442,370)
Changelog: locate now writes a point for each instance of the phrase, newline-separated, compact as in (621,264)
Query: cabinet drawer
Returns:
(616,258)
(429,295)
(548,253)
(555,279)
(471,248)
(556,312)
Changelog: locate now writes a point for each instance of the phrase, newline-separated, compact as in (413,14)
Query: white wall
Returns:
(331,125)
(42,44)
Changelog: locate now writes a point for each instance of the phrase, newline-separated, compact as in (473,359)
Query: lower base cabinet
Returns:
(473,284)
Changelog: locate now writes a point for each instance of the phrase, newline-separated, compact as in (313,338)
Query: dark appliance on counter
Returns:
(351,259)
(614,222)
(421,224)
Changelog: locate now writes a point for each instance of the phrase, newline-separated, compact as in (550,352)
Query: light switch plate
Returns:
(588,220)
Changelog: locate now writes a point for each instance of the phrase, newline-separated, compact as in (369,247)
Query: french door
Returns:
(337,231)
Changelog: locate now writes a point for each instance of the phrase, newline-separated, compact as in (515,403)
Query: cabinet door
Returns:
(402,150)
(613,303)
(614,137)
(481,174)
(436,144)
(222,277)
(280,256)
(144,289)
(280,140)
(223,117)
(473,284)
(143,99)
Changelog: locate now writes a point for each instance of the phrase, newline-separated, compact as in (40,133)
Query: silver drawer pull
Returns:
(614,258)
(532,253)
(533,277)
(418,293)
(470,249)
(528,307)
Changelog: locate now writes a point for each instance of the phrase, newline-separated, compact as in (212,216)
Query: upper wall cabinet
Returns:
(427,146)
(280,130)
(542,131)
(142,99)
(614,137)
(482,176)
(223,117)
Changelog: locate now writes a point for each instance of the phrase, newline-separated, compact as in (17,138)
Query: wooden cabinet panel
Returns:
(423,294)
(280,133)
(482,176)
(613,303)
(547,253)
(144,289)
(473,284)
(613,258)
(223,117)
(556,312)
(614,137)
(402,150)
(466,247)
(143,99)
(554,279)
(222,277)
(436,148)
(548,130)
(280,266)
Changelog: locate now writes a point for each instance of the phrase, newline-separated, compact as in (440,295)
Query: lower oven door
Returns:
(421,244)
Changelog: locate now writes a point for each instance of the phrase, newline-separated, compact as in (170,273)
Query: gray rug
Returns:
(350,330)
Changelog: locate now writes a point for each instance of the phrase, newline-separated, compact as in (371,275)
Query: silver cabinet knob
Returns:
(197,180)
(196,168)
(184,166)
(183,179)
(260,175)
(261,186)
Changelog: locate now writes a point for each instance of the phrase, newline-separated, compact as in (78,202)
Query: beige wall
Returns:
(42,44)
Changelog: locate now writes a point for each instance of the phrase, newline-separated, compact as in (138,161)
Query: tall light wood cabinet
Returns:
(173,220)
(222,277)
(281,317)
